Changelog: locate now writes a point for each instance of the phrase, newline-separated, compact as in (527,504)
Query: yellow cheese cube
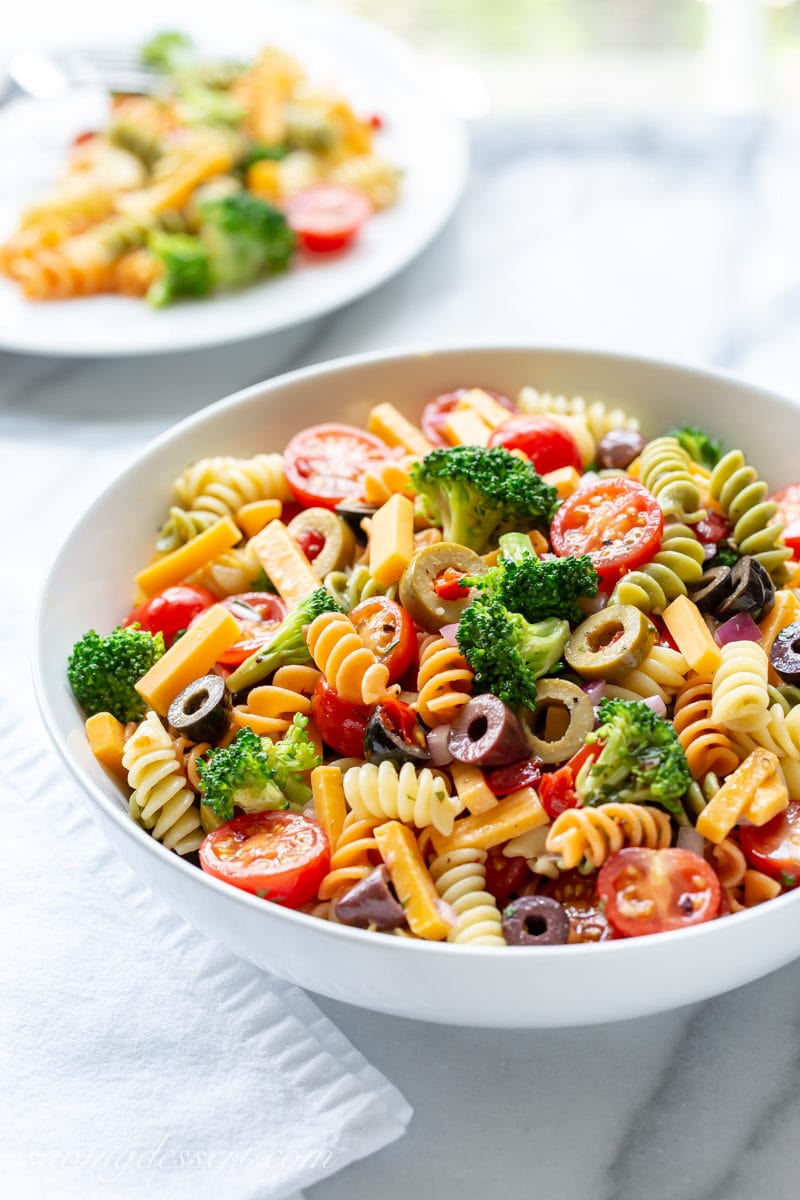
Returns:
(479,402)
(412,881)
(462,427)
(691,635)
(565,480)
(284,563)
(106,736)
(725,808)
(515,814)
(472,788)
(192,656)
(393,428)
(391,544)
(194,554)
(784,612)
(251,518)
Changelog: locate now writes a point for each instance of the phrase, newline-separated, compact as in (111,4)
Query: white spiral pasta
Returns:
(233,572)
(460,879)
(218,487)
(161,801)
(739,696)
(662,674)
(779,732)
(371,174)
(600,418)
(416,798)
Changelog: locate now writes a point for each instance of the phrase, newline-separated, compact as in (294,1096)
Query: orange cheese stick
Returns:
(412,881)
(284,563)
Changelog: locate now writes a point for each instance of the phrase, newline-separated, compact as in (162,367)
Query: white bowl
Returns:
(90,585)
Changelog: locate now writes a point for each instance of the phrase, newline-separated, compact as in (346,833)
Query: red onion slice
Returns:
(448,632)
(437,745)
(595,691)
(689,839)
(741,628)
(657,704)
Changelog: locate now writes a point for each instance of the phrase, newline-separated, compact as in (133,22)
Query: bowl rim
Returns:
(116,812)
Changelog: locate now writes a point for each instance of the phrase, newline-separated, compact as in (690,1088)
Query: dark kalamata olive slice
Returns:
(370,903)
(487,732)
(714,585)
(394,733)
(535,921)
(785,653)
(202,711)
(752,591)
(618,448)
(353,512)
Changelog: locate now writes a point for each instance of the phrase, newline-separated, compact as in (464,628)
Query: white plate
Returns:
(90,586)
(371,67)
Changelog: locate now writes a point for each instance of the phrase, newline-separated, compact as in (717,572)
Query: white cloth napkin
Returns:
(137,1057)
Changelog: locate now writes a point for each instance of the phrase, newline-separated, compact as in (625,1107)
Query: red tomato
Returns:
(388,631)
(341,725)
(172,610)
(615,521)
(505,780)
(87,136)
(447,586)
(310,542)
(505,877)
(557,790)
(325,464)
(774,848)
(577,895)
(788,502)
(259,614)
(655,891)
(713,529)
(280,856)
(375,121)
(547,444)
(436,410)
(327,216)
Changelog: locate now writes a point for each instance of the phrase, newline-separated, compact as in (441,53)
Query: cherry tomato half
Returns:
(615,521)
(341,725)
(388,631)
(259,614)
(505,877)
(435,412)
(713,529)
(656,891)
(788,502)
(327,216)
(557,789)
(774,848)
(505,780)
(577,895)
(325,464)
(172,610)
(280,856)
(546,444)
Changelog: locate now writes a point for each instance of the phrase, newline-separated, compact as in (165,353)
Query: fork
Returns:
(49,76)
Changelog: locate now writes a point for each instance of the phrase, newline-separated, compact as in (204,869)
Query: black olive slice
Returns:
(785,653)
(535,921)
(752,591)
(617,449)
(201,712)
(487,732)
(353,512)
(390,736)
(370,903)
(712,588)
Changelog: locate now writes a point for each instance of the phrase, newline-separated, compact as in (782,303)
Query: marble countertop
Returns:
(675,242)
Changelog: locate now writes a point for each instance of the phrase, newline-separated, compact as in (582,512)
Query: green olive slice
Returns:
(609,644)
(338,538)
(557,698)
(418,585)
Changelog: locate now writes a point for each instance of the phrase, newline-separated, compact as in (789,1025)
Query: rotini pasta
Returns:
(349,588)
(600,418)
(460,879)
(739,697)
(665,470)
(160,800)
(444,681)
(662,674)
(596,833)
(354,856)
(418,798)
(348,665)
(676,567)
(708,748)
(742,495)
(219,487)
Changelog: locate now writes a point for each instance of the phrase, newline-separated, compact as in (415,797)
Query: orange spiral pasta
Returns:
(706,745)
(596,833)
(444,681)
(729,862)
(354,856)
(78,267)
(385,479)
(269,710)
(349,666)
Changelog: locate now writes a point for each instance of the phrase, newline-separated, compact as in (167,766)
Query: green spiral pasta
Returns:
(350,588)
(181,526)
(677,566)
(743,498)
(666,472)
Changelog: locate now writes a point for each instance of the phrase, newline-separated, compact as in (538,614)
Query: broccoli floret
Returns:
(699,445)
(476,494)
(257,774)
(261,152)
(168,51)
(186,267)
(244,236)
(288,647)
(204,105)
(103,671)
(724,556)
(537,588)
(642,761)
(506,652)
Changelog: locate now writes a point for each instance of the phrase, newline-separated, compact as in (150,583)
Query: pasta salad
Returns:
(515,676)
(224,175)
